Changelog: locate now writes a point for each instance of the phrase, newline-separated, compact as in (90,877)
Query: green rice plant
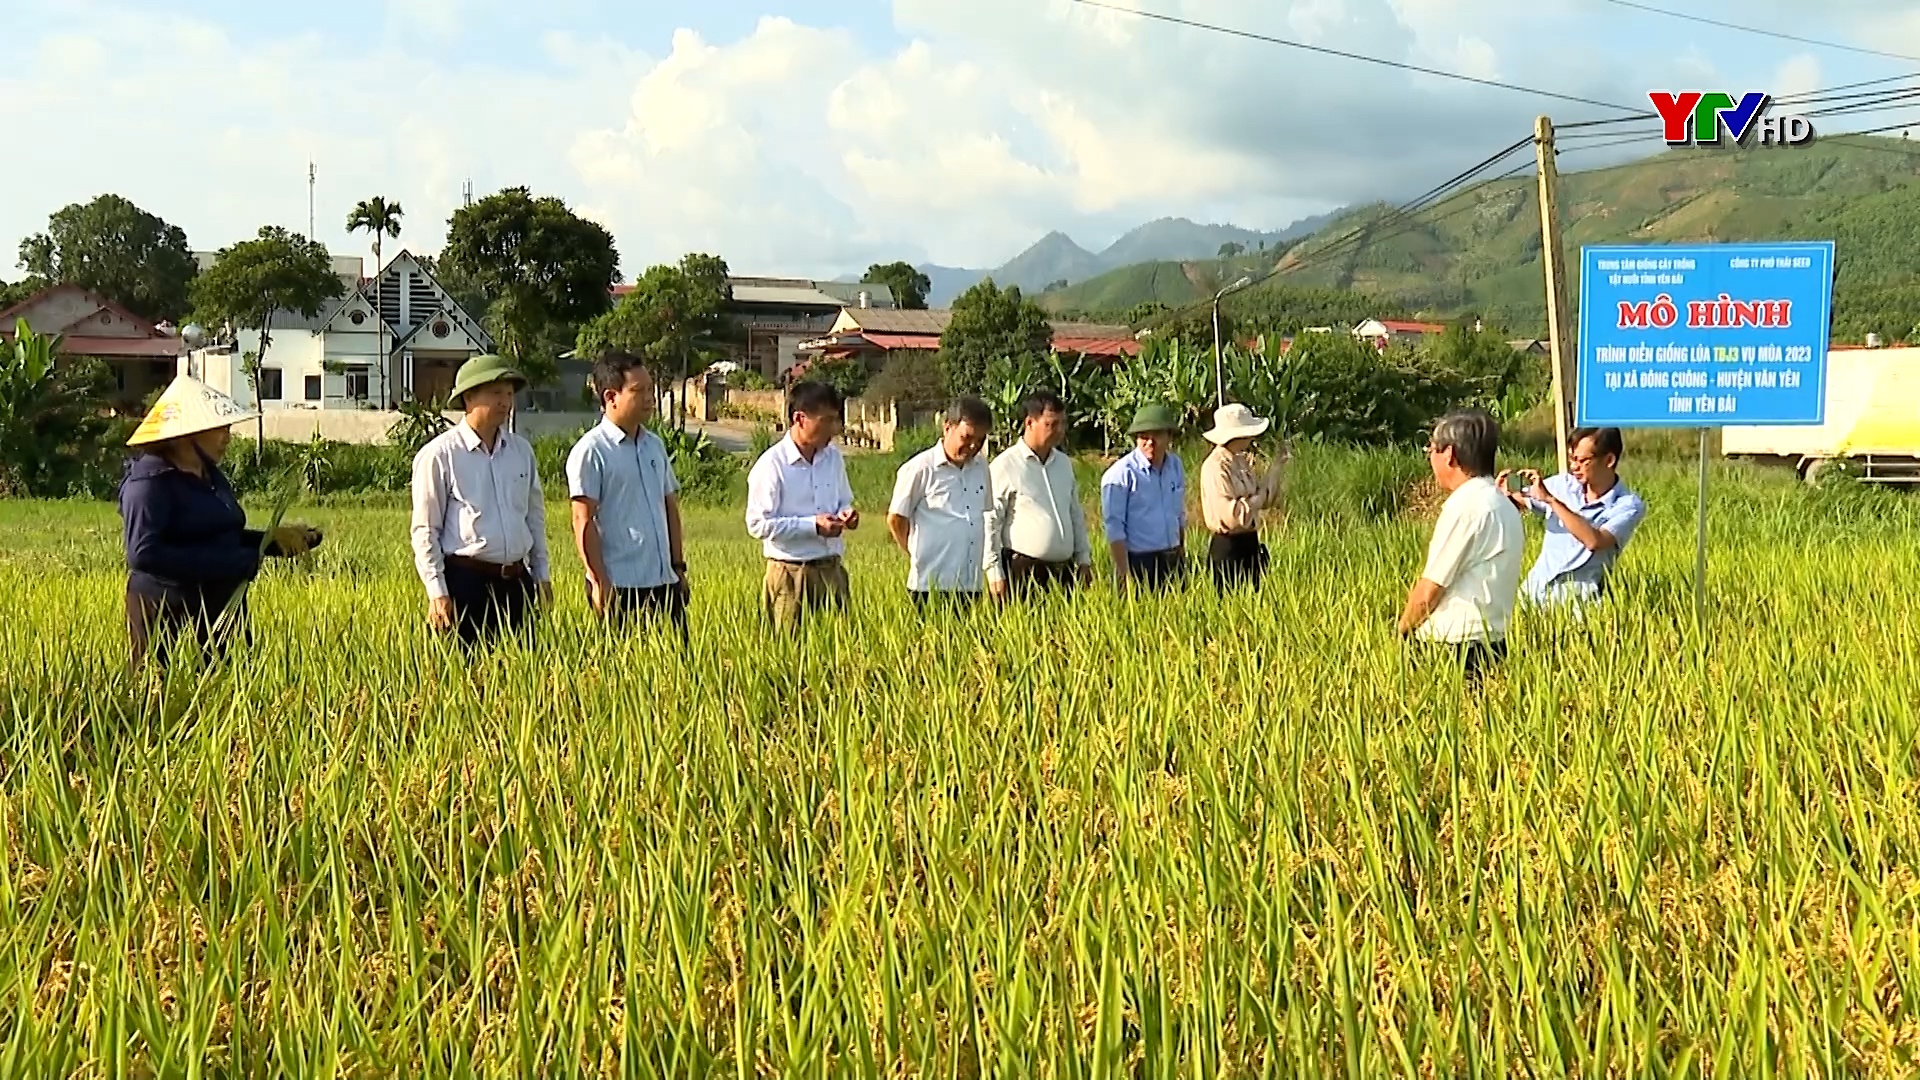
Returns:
(1193,836)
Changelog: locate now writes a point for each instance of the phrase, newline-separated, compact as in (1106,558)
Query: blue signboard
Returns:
(1706,335)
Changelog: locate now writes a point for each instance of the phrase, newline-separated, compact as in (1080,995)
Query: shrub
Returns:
(748,379)
(910,380)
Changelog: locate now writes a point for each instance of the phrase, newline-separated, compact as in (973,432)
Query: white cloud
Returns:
(811,149)
(1799,75)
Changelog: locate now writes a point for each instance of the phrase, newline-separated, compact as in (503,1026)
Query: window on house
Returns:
(269,384)
(358,384)
(313,388)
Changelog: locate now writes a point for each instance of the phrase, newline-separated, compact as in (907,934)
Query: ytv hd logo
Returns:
(1696,118)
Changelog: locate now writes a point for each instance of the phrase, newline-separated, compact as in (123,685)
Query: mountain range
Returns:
(1478,252)
(1056,258)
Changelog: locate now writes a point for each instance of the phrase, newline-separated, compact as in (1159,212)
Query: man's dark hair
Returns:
(1039,403)
(1606,441)
(968,410)
(610,372)
(1474,437)
(814,399)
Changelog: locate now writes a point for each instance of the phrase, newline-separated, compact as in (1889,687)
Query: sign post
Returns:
(1704,336)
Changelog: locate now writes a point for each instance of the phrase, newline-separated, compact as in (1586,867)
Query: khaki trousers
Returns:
(793,589)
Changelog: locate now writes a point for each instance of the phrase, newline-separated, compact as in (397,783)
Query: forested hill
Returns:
(1479,252)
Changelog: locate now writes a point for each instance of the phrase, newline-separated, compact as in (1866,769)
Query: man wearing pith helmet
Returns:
(479,521)
(1143,500)
(190,554)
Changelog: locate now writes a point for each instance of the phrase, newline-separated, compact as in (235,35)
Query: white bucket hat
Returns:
(188,407)
(1235,421)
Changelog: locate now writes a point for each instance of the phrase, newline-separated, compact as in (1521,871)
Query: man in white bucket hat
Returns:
(1233,493)
(189,551)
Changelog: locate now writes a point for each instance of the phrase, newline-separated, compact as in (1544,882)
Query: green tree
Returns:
(1230,250)
(909,286)
(250,281)
(114,248)
(52,416)
(21,291)
(668,318)
(988,324)
(382,219)
(544,270)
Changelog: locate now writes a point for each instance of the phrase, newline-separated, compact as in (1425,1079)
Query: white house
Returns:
(1382,331)
(334,360)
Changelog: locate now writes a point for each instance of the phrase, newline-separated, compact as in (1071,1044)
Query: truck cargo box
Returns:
(1872,414)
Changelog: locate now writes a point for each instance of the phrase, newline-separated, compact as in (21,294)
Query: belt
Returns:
(827,560)
(504,571)
(1164,553)
(1012,554)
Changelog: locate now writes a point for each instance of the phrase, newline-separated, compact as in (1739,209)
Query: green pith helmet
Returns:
(1154,418)
(481,370)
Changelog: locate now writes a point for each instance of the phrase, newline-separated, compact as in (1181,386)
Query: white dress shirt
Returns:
(785,492)
(1475,556)
(482,505)
(1035,510)
(946,507)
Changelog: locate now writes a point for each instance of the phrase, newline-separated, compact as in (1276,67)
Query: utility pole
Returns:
(1553,259)
(310,180)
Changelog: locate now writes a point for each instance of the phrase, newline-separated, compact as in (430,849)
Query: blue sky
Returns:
(814,137)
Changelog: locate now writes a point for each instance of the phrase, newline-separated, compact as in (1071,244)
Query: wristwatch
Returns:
(679,567)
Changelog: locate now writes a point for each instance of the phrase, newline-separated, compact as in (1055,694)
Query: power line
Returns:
(1397,221)
(1764,33)
(1833,91)
(1251,36)
(1882,105)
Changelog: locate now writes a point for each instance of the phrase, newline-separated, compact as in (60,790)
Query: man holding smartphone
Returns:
(1590,512)
(799,505)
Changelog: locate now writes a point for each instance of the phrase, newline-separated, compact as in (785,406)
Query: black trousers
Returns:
(485,605)
(942,601)
(661,602)
(1157,569)
(1236,559)
(1026,574)
(156,621)
(1477,659)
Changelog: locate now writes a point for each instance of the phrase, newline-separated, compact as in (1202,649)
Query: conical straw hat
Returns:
(187,408)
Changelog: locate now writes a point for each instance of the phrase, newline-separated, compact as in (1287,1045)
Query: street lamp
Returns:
(192,336)
(1219,364)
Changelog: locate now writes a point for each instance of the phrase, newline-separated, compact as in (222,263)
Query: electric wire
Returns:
(1362,57)
(1763,32)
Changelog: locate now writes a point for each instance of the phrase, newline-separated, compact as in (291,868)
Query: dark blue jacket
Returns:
(186,535)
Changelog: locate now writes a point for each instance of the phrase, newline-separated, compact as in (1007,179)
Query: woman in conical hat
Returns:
(189,550)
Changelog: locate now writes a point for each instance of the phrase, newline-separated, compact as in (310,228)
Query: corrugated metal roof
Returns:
(894,321)
(109,347)
(878,295)
(1104,331)
(925,342)
(784,295)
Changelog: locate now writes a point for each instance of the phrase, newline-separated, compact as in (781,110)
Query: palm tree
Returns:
(382,219)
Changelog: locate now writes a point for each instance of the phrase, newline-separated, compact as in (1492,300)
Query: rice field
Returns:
(1194,837)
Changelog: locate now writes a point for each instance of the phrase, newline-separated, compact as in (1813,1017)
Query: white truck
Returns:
(1873,421)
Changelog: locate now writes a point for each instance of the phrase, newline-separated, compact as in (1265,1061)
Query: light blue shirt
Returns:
(629,480)
(1566,570)
(1143,506)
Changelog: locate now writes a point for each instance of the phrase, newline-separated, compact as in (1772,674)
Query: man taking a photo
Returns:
(1590,512)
